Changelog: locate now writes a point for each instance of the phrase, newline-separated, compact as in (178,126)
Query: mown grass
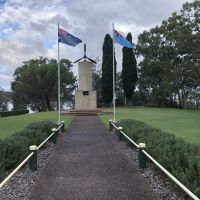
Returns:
(182,123)
(9,125)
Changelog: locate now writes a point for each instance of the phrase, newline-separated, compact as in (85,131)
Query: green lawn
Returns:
(9,125)
(183,123)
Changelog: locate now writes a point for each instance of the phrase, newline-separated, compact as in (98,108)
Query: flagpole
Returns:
(113,73)
(58,80)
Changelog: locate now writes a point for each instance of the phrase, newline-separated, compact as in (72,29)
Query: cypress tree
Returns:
(107,70)
(129,70)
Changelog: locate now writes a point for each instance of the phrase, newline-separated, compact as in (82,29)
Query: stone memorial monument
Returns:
(85,96)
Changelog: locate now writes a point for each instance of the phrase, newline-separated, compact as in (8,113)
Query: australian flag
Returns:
(67,38)
(120,39)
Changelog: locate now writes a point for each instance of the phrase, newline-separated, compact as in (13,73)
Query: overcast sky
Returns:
(28,28)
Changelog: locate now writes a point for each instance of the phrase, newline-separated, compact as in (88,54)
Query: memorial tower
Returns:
(85,96)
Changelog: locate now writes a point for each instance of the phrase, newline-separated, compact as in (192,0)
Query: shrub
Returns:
(44,126)
(15,148)
(176,155)
(13,113)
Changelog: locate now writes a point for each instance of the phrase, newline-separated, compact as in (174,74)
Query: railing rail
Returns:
(48,137)
(136,145)
(45,141)
(185,189)
(15,170)
(171,176)
(59,127)
(29,156)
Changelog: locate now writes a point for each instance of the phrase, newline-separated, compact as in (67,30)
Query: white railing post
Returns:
(33,159)
(142,156)
(142,162)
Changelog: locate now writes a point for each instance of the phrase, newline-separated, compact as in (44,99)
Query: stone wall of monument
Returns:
(85,102)
(85,76)
(85,96)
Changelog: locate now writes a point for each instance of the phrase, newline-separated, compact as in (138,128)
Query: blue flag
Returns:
(67,38)
(120,39)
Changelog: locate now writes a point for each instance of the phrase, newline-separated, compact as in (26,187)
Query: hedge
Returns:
(15,148)
(177,156)
(13,113)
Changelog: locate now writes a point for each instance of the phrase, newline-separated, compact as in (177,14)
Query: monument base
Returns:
(86,112)
(85,100)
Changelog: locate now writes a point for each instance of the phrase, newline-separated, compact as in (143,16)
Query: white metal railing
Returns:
(130,139)
(126,136)
(15,170)
(45,141)
(192,195)
(171,176)
(26,160)
(48,138)
(114,125)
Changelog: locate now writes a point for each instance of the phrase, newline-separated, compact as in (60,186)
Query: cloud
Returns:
(28,29)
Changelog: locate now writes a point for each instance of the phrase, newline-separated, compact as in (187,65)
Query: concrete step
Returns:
(85,112)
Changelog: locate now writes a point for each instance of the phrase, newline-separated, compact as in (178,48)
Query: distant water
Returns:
(65,107)
(10,107)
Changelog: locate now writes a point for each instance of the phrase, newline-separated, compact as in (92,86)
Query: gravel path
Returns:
(86,165)
(22,184)
(19,186)
(161,185)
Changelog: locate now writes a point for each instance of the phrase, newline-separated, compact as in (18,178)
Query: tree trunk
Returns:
(38,108)
(180,100)
(48,103)
(57,104)
(197,104)
(131,100)
(183,99)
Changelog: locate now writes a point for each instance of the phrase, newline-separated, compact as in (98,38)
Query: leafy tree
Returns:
(170,66)
(129,70)
(35,84)
(3,100)
(154,68)
(107,70)
(119,90)
(97,82)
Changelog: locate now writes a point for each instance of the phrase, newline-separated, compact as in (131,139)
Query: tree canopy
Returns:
(97,82)
(4,98)
(170,66)
(129,70)
(35,84)
(107,69)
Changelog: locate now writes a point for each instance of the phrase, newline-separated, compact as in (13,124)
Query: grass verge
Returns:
(10,125)
(182,123)
(177,156)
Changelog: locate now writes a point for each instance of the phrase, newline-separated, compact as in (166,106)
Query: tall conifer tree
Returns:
(107,69)
(129,70)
